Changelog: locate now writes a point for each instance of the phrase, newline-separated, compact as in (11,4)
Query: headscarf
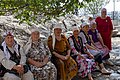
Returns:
(15,45)
(58,25)
(92,22)
(104,9)
(84,24)
(35,29)
(29,43)
(75,28)
(8,33)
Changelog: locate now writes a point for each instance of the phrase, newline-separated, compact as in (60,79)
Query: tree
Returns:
(35,10)
(95,7)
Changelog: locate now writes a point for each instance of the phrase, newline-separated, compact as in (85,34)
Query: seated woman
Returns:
(84,59)
(92,49)
(60,49)
(13,59)
(38,56)
(97,41)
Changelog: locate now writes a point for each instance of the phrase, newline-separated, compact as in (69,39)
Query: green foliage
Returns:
(95,7)
(39,10)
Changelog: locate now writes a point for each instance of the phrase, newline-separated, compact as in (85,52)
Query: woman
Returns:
(60,49)
(97,40)
(39,58)
(13,59)
(92,49)
(105,28)
(84,59)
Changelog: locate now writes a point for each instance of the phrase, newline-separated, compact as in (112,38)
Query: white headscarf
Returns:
(15,46)
(53,35)
(84,24)
(34,29)
(29,43)
(75,28)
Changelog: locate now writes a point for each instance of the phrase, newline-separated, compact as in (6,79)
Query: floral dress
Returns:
(38,52)
(85,66)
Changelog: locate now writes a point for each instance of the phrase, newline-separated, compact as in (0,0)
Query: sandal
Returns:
(106,72)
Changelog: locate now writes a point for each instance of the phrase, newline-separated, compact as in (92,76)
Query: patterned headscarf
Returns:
(15,45)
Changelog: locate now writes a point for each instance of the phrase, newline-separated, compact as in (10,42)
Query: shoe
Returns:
(97,69)
(106,72)
(90,78)
(108,62)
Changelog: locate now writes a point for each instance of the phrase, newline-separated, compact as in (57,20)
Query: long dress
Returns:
(38,52)
(105,27)
(95,38)
(66,69)
(85,66)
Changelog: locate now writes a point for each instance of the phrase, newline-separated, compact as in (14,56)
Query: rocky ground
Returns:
(115,58)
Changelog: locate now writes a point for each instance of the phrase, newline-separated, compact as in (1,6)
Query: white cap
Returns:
(75,28)
(58,25)
(84,24)
(34,30)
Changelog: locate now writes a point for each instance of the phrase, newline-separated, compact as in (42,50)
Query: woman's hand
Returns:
(81,57)
(19,68)
(60,56)
(91,56)
(67,56)
(38,64)
(46,60)
(104,46)
(63,57)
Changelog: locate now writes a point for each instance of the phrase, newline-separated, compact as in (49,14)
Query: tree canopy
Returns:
(95,7)
(35,10)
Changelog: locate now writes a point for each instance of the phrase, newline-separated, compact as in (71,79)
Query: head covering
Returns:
(34,29)
(15,45)
(92,22)
(58,25)
(75,28)
(7,33)
(28,45)
(104,9)
(84,24)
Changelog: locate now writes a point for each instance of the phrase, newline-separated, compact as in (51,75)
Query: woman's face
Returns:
(76,33)
(103,13)
(57,31)
(86,28)
(93,26)
(35,36)
(9,40)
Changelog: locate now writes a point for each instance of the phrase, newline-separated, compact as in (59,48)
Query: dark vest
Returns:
(79,47)
(15,58)
(87,37)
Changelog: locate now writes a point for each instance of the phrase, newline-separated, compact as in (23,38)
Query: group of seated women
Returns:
(58,59)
